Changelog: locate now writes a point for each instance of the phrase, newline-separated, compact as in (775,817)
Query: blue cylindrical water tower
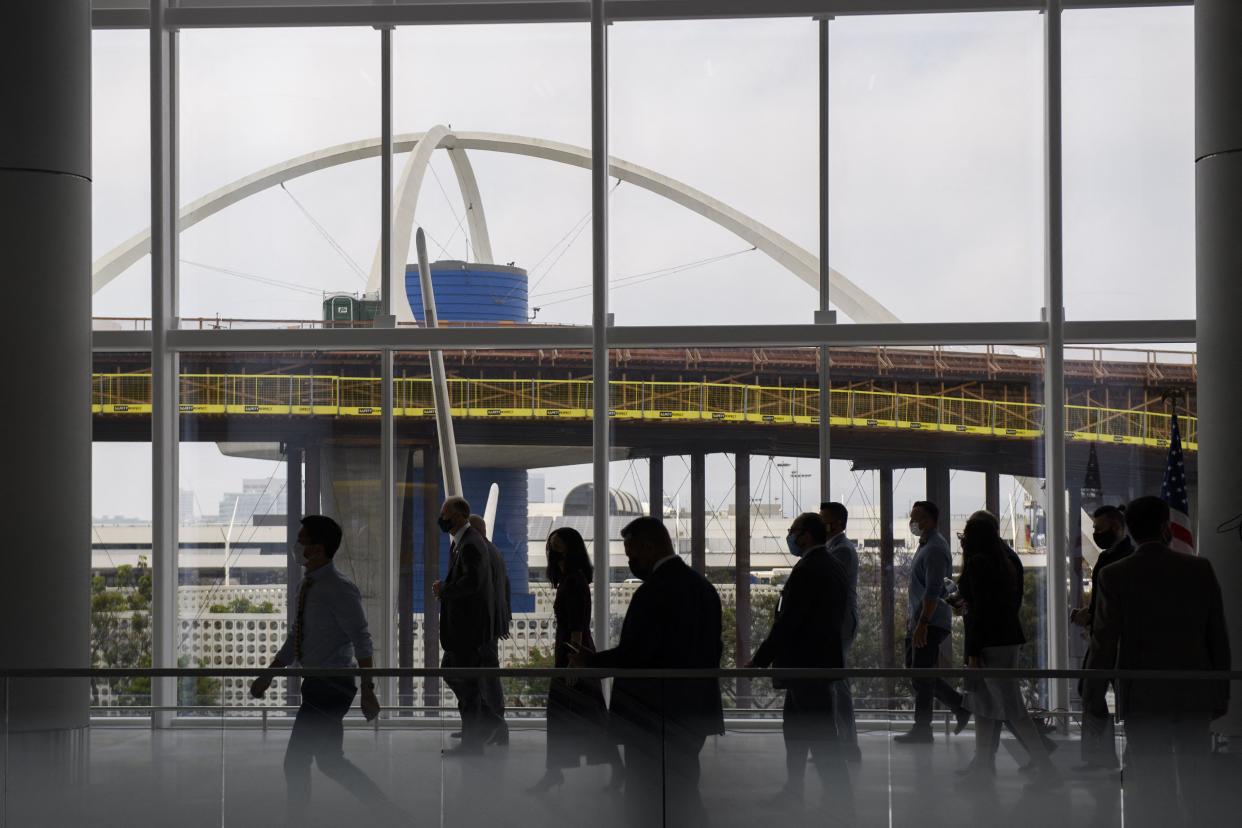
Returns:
(487,293)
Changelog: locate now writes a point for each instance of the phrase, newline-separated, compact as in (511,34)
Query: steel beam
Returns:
(1054,371)
(438,12)
(600,425)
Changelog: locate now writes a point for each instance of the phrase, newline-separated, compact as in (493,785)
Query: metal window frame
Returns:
(233,14)
(166,342)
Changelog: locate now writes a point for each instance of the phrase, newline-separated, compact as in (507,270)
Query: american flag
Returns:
(1173,492)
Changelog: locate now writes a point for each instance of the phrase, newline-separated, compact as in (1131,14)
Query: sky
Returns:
(936,171)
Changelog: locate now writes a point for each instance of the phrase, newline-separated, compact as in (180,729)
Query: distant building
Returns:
(258,498)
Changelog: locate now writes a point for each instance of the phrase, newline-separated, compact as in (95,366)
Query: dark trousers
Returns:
(1099,738)
(1167,776)
(925,689)
(662,778)
(318,734)
(809,725)
(492,690)
(843,696)
(477,721)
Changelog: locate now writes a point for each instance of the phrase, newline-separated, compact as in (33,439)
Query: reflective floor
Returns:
(213,776)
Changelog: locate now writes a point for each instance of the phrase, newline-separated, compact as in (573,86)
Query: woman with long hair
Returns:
(577,715)
(990,591)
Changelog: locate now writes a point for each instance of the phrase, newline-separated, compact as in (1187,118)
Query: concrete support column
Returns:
(888,582)
(655,486)
(991,492)
(405,579)
(313,484)
(938,480)
(293,567)
(431,574)
(741,544)
(1218,246)
(45,233)
(698,512)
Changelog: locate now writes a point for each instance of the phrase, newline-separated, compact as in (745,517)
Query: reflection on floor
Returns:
(203,776)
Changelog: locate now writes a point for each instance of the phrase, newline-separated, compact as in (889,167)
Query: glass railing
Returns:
(720,748)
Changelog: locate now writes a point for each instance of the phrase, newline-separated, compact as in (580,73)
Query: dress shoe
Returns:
(456,734)
(918,736)
(499,737)
(963,718)
(853,754)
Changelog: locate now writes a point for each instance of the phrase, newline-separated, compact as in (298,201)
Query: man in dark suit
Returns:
(502,617)
(673,621)
(1162,610)
(466,622)
(807,632)
(1098,743)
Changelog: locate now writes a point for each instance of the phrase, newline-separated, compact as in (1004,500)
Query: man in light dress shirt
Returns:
(329,631)
(930,622)
(842,549)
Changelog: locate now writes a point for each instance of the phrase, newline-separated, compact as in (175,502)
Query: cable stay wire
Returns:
(662,271)
(641,278)
(323,231)
(254,277)
(459,219)
(575,230)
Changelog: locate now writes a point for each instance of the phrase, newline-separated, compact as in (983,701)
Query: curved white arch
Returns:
(849,297)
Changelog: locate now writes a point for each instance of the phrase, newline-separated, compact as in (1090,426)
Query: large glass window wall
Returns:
(322,87)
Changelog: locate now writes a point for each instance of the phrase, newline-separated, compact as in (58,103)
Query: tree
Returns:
(121,630)
(121,637)
(529,692)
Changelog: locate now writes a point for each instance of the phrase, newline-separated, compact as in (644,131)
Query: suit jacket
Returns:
(1118,552)
(467,600)
(502,605)
(810,617)
(1161,610)
(673,622)
(842,549)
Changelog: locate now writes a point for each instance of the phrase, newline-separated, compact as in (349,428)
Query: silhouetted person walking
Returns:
(807,632)
(842,549)
(1162,610)
(329,631)
(673,621)
(466,623)
(930,622)
(1015,561)
(990,587)
(1098,745)
(502,617)
(577,716)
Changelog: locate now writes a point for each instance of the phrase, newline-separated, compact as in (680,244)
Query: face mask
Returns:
(445,524)
(792,542)
(915,530)
(1104,540)
(638,571)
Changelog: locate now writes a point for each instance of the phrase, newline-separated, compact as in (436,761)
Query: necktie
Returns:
(297,622)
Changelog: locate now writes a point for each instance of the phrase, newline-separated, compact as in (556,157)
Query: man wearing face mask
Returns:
(807,632)
(1098,743)
(466,623)
(673,621)
(329,631)
(930,622)
(1163,610)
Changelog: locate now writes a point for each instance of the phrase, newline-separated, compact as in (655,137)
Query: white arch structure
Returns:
(849,297)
